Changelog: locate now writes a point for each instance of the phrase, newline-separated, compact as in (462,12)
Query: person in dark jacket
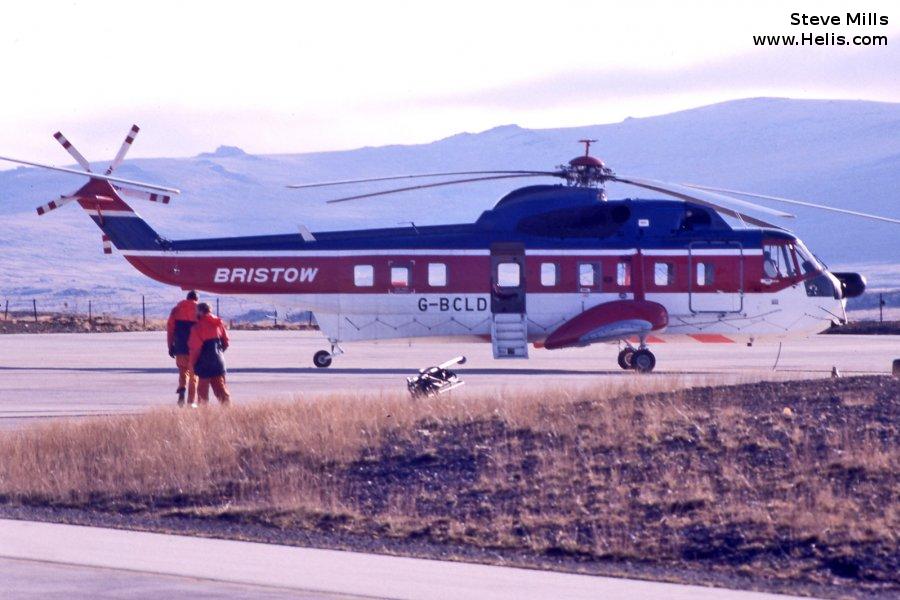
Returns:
(208,342)
(178,330)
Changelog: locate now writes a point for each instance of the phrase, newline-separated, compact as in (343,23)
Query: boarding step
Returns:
(509,335)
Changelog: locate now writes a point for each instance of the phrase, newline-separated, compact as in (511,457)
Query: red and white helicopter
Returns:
(554,266)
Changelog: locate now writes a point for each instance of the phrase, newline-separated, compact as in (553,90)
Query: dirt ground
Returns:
(782,486)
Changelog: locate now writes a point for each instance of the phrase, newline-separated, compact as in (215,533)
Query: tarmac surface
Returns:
(41,560)
(64,375)
(74,375)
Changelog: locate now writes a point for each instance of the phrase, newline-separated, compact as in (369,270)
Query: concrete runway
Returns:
(59,375)
(42,559)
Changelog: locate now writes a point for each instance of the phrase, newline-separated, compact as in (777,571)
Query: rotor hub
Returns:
(586,170)
(586,162)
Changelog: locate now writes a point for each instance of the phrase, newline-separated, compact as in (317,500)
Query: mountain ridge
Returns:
(845,153)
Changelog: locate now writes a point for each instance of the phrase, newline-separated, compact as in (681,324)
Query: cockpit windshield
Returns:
(808,262)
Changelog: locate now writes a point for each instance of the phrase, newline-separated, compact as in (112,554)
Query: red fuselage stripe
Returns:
(465,274)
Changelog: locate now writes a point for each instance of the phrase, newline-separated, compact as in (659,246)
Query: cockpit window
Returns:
(777,261)
(808,262)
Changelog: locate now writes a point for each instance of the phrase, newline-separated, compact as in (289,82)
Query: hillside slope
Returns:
(843,153)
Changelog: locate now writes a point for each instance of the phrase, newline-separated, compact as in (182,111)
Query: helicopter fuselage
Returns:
(547,253)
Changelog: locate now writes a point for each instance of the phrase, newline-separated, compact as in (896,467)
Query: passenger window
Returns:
(437,274)
(623,274)
(548,274)
(705,274)
(663,274)
(363,276)
(400,277)
(509,274)
(588,275)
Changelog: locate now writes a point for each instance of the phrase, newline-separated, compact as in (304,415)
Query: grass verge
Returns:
(779,485)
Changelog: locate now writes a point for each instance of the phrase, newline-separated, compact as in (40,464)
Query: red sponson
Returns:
(570,332)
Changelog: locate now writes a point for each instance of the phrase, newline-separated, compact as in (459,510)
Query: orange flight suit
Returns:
(178,330)
(207,342)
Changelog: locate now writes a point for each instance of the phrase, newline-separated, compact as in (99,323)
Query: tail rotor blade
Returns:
(126,145)
(54,204)
(79,158)
(796,202)
(142,195)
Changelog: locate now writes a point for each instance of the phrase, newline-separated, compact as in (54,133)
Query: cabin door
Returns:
(507,278)
(716,277)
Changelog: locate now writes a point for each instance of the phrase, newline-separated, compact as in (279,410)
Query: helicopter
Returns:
(549,266)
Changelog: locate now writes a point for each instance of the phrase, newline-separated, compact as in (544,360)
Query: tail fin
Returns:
(123,227)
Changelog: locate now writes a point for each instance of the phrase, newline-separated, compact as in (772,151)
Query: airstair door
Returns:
(716,277)
(509,321)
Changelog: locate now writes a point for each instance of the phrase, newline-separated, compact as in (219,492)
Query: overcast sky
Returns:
(303,76)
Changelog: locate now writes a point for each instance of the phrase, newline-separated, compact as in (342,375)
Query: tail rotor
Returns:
(101,195)
(94,191)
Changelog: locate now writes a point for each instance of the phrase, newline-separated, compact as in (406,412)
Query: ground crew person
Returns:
(207,343)
(178,329)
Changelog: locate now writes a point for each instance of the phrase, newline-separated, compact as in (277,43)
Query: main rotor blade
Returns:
(673,189)
(79,158)
(693,198)
(123,150)
(441,183)
(149,186)
(797,202)
(417,176)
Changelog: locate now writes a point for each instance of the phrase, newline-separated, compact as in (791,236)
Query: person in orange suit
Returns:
(178,329)
(208,342)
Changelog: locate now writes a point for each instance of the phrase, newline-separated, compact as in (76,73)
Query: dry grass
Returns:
(645,469)
(193,452)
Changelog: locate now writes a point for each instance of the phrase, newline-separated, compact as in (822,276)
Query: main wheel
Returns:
(625,358)
(643,361)
(322,359)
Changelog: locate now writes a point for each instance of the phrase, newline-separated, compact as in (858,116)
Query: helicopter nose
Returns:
(852,284)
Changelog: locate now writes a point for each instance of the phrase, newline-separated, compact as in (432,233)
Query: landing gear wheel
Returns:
(625,358)
(643,361)
(322,359)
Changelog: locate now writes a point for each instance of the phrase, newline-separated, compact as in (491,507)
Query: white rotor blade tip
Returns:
(73,152)
(123,150)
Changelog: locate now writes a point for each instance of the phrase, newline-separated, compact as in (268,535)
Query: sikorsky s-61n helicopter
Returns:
(554,266)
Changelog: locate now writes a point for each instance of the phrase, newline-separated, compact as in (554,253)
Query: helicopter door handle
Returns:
(766,281)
